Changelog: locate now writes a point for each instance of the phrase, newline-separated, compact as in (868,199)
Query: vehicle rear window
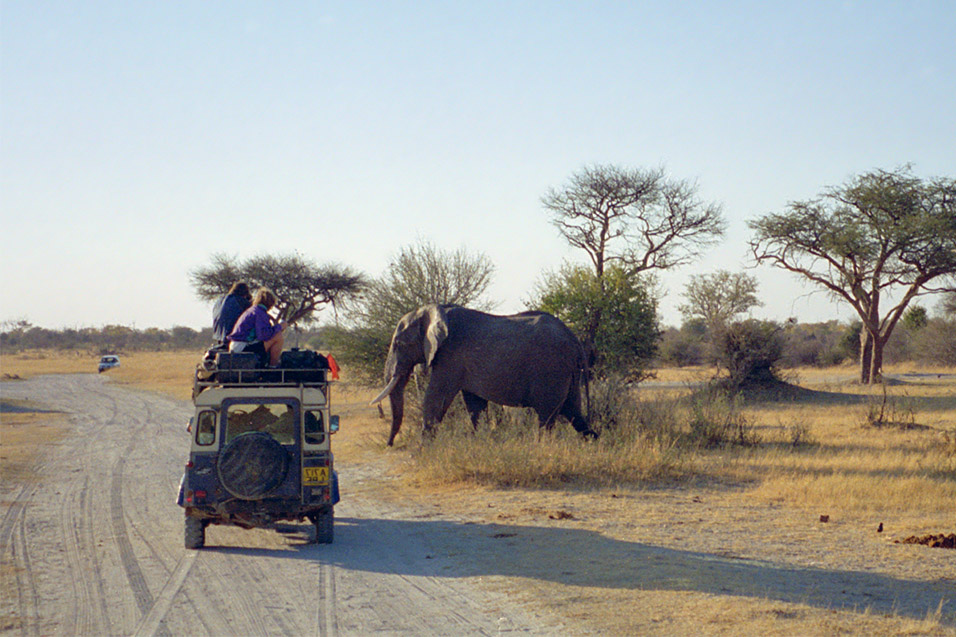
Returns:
(277,419)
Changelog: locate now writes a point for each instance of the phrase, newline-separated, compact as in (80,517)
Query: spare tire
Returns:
(252,465)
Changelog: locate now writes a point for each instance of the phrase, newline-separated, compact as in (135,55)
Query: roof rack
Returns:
(263,377)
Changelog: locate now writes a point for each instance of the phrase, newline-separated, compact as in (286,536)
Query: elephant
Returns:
(529,359)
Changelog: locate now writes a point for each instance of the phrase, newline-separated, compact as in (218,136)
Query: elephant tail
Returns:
(585,371)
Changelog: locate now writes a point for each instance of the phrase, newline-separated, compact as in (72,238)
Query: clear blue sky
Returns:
(140,137)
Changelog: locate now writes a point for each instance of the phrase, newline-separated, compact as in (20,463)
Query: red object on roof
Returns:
(333,367)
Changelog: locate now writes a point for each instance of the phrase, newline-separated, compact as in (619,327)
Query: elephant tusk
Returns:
(385,392)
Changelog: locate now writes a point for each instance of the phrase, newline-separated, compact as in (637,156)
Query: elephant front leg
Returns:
(438,397)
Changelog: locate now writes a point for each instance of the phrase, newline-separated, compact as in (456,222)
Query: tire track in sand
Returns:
(28,599)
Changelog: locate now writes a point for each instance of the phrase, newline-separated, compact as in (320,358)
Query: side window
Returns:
(314,430)
(206,428)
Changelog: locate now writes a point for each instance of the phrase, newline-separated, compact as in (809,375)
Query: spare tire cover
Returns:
(252,465)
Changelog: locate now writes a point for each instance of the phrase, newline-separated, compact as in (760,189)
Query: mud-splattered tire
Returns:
(325,527)
(195,533)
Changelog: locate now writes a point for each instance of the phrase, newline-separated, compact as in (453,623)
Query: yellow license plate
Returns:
(315,475)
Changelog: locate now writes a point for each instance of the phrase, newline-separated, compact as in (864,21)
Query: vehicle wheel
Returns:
(252,465)
(325,527)
(195,533)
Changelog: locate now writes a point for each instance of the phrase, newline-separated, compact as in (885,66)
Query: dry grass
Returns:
(24,437)
(812,450)
(907,468)
(168,372)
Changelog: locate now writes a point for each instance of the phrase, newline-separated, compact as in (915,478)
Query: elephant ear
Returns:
(436,333)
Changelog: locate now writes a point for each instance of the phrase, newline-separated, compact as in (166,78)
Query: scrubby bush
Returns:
(681,347)
(614,316)
(359,350)
(813,344)
(750,352)
(17,336)
(936,342)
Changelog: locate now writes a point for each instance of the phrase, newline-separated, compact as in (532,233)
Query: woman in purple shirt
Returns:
(256,331)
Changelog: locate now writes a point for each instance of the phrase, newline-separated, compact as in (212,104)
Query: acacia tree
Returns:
(422,273)
(719,297)
(637,219)
(947,304)
(301,286)
(418,275)
(881,235)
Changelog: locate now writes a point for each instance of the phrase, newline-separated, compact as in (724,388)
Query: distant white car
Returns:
(108,362)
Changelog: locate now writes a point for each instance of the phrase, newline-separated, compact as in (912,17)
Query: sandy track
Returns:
(95,547)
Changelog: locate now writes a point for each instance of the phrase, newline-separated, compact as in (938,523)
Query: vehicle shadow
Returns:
(578,557)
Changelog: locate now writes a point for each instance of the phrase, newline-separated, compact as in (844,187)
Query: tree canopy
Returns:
(422,273)
(634,220)
(626,340)
(419,274)
(638,219)
(719,297)
(301,285)
(881,236)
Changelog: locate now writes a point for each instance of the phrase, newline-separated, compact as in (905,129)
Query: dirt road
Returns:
(95,547)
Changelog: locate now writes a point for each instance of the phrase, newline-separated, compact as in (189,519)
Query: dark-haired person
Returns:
(257,331)
(228,309)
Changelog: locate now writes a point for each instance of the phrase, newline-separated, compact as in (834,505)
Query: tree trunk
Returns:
(871,330)
(866,355)
(876,360)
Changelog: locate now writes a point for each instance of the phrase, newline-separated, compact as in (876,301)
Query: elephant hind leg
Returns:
(475,405)
(547,398)
(577,420)
(571,409)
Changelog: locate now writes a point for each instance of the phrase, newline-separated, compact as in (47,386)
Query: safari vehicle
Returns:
(108,362)
(260,448)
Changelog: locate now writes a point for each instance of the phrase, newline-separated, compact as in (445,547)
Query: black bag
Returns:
(312,364)
(231,364)
(296,358)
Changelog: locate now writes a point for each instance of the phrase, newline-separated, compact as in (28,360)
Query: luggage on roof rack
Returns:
(220,367)
(230,366)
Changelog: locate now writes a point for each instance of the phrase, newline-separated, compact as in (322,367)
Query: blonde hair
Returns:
(266,297)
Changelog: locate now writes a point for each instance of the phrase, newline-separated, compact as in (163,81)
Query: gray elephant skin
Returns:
(530,359)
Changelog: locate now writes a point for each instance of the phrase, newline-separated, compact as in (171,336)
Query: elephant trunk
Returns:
(396,399)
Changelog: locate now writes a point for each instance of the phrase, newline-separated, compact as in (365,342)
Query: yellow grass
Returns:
(815,452)
(24,437)
(167,372)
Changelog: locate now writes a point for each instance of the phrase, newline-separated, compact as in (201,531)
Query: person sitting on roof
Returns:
(258,332)
(228,309)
